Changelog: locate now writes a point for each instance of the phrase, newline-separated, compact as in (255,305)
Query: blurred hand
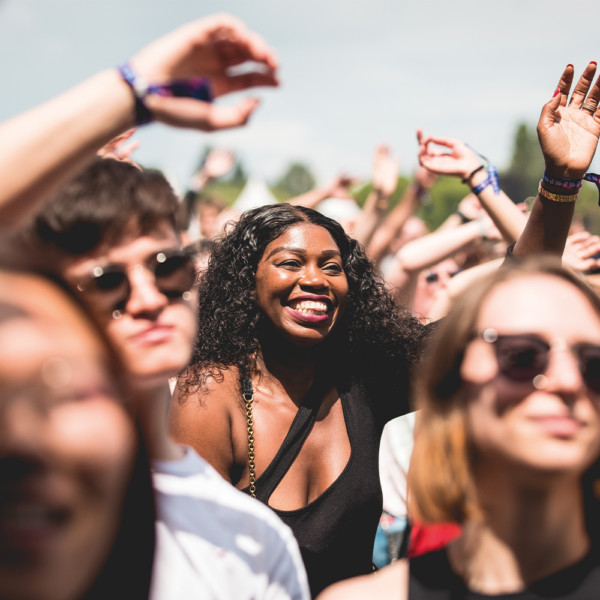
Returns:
(456,159)
(117,150)
(208,47)
(580,251)
(385,171)
(340,186)
(568,133)
(218,163)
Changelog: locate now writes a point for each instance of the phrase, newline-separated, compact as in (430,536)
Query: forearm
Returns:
(372,215)
(547,228)
(431,249)
(507,217)
(44,147)
(393,223)
(310,199)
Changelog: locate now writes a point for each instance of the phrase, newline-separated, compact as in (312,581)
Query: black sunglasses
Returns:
(521,357)
(173,270)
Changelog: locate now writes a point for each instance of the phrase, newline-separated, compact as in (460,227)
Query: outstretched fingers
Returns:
(583,86)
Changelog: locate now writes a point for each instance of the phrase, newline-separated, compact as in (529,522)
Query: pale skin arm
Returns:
(337,189)
(390,583)
(458,284)
(395,220)
(384,182)
(458,160)
(46,146)
(568,137)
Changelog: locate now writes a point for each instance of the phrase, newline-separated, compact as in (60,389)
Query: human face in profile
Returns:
(301,285)
(67,445)
(534,375)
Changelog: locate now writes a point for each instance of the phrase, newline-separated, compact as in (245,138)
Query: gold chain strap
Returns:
(248,399)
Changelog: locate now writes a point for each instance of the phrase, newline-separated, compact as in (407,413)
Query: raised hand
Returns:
(455,159)
(385,171)
(117,148)
(212,47)
(568,130)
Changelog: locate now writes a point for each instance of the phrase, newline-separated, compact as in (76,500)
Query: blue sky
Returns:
(354,73)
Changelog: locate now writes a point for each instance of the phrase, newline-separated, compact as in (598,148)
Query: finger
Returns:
(187,112)
(244,81)
(593,98)
(564,84)
(420,136)
(583,86)
(237,44)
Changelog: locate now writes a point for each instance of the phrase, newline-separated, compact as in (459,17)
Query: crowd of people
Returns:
(196,403)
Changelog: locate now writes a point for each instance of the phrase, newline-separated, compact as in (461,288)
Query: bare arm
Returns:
(458,160)
(568,136)
(384,182)
(46,146)
(337,189)
(393,223)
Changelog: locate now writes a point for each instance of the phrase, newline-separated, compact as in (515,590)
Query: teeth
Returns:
(311,307)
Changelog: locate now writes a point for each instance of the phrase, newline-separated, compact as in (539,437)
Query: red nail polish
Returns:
(569,65)
(556,93)
(593,62)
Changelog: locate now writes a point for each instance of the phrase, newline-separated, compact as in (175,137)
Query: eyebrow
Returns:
(325,254)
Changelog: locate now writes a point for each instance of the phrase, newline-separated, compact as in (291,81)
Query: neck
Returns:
(154,405)
(526,533)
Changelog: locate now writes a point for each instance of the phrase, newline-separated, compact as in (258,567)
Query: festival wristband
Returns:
(198,88)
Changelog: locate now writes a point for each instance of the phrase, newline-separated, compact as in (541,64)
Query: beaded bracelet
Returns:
(557,197)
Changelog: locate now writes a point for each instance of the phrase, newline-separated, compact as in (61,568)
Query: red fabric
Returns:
(427,538)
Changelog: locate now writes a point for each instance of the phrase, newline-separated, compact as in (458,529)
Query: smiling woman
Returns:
(301,358)
(76,510)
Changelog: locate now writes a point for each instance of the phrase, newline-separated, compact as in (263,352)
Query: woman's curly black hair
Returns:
(376,337)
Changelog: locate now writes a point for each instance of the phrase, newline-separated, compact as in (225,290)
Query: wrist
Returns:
(471,172)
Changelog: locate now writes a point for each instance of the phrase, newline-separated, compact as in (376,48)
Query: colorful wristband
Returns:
(563,183)
(492,179)
(140,90)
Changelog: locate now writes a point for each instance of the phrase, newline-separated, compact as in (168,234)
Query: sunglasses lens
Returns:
(589,359)
(110,280)
(174,273)
(521,358)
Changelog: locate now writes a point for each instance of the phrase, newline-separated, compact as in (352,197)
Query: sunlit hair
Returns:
(106,201)
(440,476)
(375,338)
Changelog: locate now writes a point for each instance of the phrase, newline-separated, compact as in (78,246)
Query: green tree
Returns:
(297,180)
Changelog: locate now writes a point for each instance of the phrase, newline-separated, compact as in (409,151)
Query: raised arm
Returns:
(454,158)
(383,183)
(568,131)
(46,146)
(395,220)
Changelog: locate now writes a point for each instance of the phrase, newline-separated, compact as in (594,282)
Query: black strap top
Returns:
(335,531)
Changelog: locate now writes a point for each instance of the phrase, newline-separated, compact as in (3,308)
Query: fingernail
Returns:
(569,65)
(593,62)
(557,91)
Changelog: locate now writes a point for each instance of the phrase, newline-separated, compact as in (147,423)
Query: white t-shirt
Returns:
(214,542)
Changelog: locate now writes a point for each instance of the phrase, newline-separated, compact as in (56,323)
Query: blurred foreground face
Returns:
(535,383)
(66,445)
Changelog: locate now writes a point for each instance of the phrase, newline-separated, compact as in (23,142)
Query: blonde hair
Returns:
(440,476)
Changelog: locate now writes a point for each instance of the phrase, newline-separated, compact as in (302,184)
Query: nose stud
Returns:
(116,314)
(540,381)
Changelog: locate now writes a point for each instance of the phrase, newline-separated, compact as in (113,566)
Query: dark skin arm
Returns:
(568,138)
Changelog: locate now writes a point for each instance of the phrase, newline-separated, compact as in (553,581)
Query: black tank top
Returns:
(432,578)
(335,531)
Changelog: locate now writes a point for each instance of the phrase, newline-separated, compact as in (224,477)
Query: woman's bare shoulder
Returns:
(220,384)
(390,583)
